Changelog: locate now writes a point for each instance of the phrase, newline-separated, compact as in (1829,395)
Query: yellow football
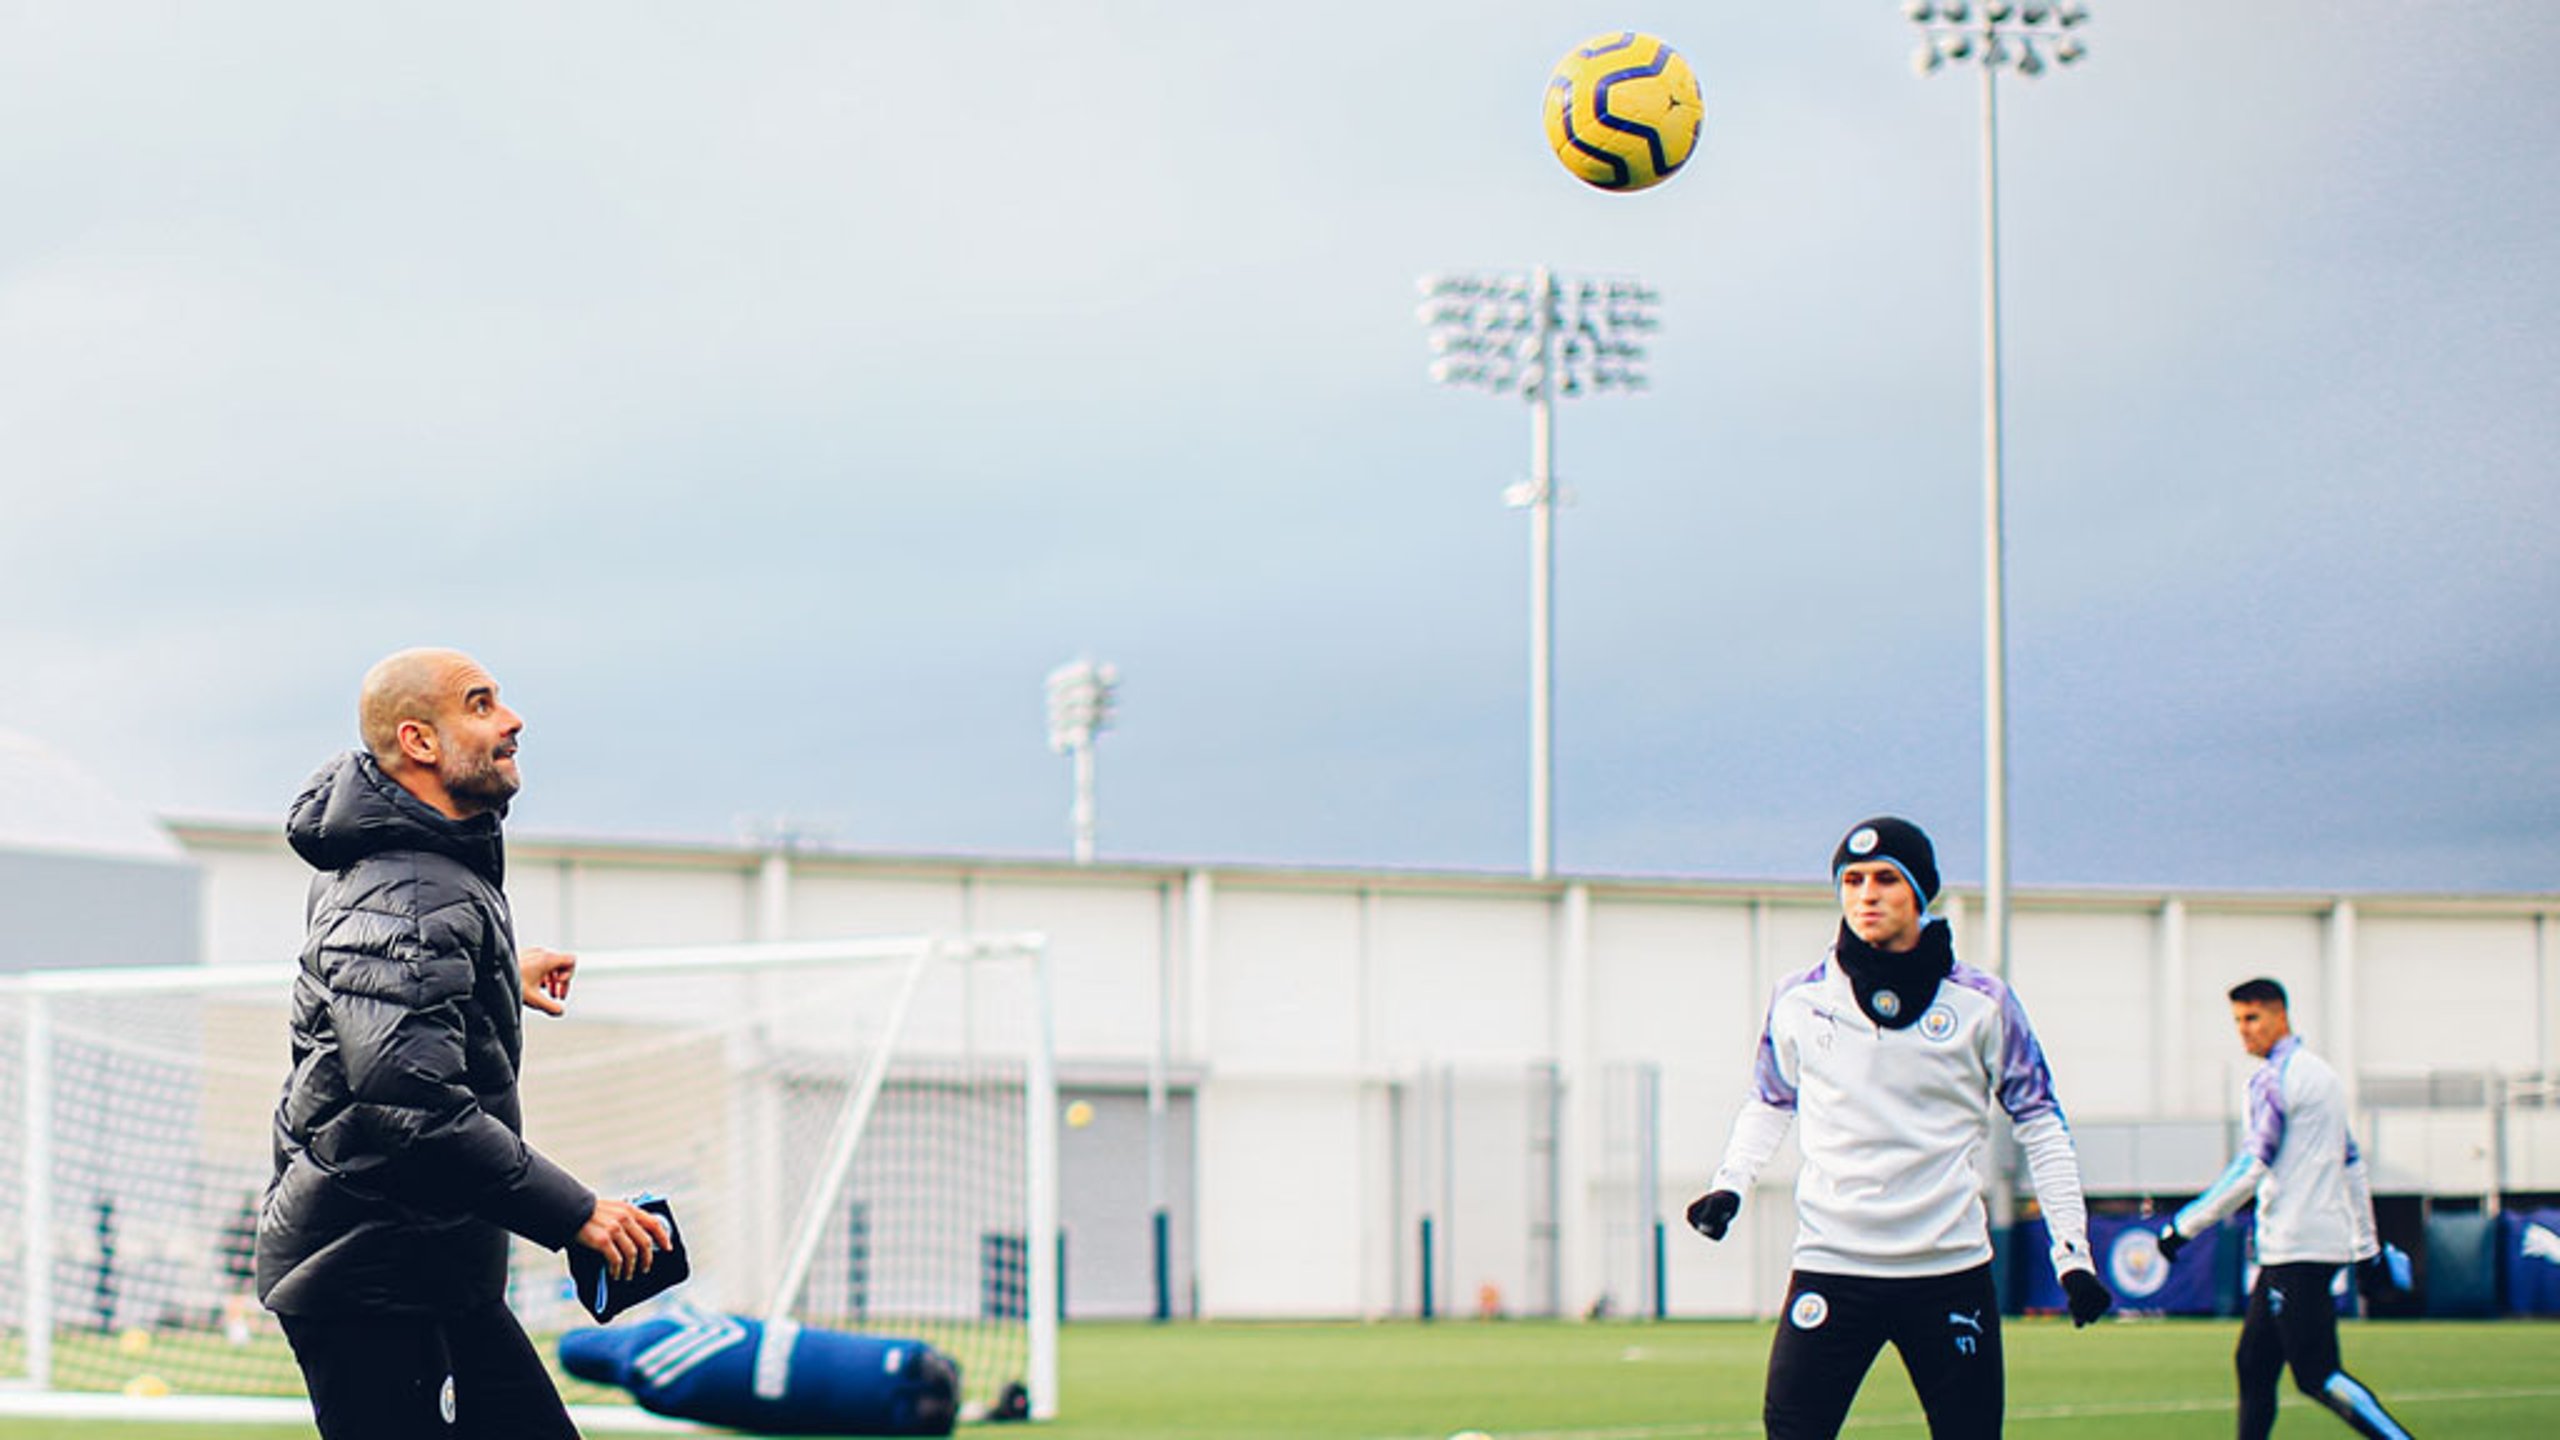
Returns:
(1623,111)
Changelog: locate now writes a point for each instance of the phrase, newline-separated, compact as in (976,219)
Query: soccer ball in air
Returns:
(1623,111)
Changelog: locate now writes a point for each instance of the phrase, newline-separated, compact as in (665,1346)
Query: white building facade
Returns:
(86,880)
(1384,1091)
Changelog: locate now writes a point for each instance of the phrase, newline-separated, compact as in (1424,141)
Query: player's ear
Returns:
(417,742)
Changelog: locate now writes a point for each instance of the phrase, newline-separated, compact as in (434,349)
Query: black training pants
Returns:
(2292,1321)
(1946,1326)
(386,1377)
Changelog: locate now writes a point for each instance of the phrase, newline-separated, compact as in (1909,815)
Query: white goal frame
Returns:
(36,996)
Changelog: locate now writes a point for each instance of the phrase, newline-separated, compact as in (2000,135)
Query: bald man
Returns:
(400,1160)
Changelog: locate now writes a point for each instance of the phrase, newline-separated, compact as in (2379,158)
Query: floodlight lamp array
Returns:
(1504,333)
(1998,33)
(1080,698)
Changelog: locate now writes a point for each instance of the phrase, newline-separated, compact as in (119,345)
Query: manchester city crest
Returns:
(1887,1004)
(2135,1264)
(1938,1023)
(1809,1311)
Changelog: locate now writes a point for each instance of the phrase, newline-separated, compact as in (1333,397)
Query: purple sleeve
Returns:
(2026,1085)
(1770,1083)
(2257,1155)
(2266,1114)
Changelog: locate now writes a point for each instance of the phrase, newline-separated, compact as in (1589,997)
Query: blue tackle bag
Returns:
(777,1379)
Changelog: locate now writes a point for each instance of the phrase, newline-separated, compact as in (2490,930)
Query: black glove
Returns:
(2171,1242)
(2089,1296)
(1711,1212)
(2385,1274)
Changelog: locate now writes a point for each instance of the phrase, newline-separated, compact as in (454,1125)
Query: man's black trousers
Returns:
(386,1377)
(1947,1328)
(2293,1322)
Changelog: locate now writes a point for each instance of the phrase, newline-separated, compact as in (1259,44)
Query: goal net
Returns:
(855,1136)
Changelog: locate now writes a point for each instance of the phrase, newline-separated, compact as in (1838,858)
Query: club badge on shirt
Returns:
(1937,1023)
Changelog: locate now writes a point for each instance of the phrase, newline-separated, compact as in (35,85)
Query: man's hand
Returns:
(2384,1274)
(2088,1294)
(546,980)
(2171,1242)
(1710,1213)
(627,1236)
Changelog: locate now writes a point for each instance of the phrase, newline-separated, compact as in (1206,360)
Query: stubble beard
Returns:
(479,786)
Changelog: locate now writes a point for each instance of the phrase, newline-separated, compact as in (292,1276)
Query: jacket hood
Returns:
(349,810)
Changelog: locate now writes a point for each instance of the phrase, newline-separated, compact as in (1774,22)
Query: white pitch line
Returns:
(2397,1399)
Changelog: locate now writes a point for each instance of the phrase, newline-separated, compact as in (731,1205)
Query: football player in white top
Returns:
(2315,1213)
(1891,1058)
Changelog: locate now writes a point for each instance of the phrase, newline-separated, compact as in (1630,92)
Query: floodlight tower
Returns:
(1996,34)
(1543,336)
(1080,696)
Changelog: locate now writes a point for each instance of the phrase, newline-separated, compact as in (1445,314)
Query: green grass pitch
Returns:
(1537,1381)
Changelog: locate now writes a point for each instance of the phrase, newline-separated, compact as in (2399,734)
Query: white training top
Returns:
(2300,1162)
(1896,1125)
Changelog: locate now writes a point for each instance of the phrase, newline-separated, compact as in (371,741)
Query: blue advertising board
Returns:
(2129,1260)
(2529,1244)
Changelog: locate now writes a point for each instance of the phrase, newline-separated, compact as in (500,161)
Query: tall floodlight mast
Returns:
(1080,700)
(1541,336)
(1996,35)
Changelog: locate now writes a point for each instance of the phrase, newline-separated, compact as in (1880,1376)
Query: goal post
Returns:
(855,1135)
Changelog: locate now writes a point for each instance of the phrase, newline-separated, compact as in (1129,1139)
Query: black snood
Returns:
(1895,989)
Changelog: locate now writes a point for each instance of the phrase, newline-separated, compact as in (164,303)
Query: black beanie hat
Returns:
(1897,841)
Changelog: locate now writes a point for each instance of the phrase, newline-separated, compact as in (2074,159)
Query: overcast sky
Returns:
(772,394)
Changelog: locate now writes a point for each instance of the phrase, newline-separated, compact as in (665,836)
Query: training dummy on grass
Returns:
(774,1379)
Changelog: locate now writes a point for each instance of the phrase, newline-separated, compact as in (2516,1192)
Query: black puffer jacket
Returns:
(400,1159)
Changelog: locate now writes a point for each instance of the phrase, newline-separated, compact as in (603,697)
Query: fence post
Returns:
(36,1216)
(1426,1267)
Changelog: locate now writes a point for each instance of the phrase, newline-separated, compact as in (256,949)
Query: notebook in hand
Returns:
(605,1297)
